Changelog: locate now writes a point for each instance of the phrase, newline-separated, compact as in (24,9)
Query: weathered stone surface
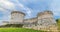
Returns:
(17,17)
(43,21)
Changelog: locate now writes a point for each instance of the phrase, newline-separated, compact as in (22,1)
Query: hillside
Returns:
(18,30)
(58,23)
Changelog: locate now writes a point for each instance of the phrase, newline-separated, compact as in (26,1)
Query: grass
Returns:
(18,30)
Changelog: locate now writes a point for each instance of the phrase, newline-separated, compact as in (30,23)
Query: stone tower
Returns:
(46,21)
(17,17)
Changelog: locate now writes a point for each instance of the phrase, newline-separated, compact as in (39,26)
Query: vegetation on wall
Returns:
(58,23)
(12,25)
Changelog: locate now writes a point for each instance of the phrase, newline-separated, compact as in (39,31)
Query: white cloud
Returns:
(6,4)
(2,9)
(55,7)
(28,10)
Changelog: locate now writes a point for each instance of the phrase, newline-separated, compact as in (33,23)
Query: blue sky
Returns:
(29,7)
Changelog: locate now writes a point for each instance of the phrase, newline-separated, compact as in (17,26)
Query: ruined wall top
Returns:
(17,12)
(45,13)
(31,20)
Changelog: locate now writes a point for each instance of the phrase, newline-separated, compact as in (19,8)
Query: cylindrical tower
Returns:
(46,20)
(17,17)
(46,17)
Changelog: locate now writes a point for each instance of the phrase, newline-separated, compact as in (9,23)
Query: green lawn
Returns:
(18,30)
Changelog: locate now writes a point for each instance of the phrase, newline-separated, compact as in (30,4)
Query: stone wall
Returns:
(43,21)
(30,23)
(17,17)
(46,21)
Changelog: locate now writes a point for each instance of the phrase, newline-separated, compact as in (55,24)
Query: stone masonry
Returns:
(44,21)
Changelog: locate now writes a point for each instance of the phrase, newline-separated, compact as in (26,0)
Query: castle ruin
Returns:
(44,21)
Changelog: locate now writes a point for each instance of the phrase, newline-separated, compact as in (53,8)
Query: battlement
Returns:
(17,12)
(45,13)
